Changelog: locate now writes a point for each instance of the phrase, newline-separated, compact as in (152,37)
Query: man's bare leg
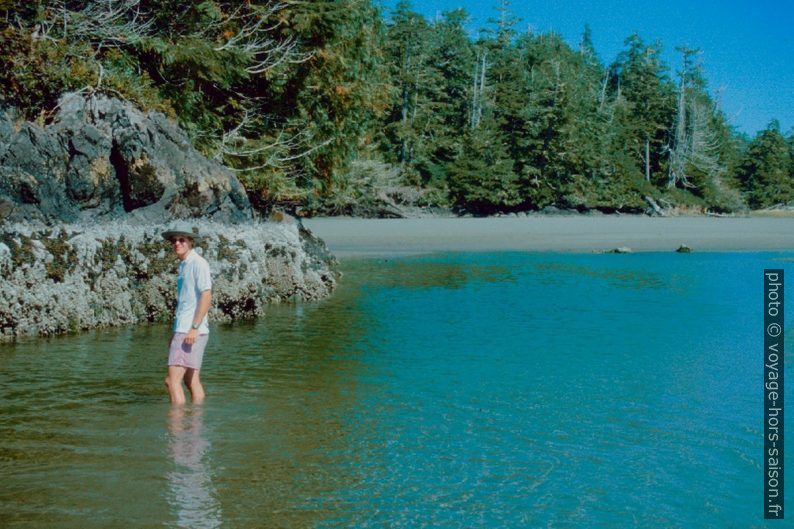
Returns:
(174,383)
(194,385)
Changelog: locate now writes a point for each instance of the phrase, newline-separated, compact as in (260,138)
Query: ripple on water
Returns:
(488,390)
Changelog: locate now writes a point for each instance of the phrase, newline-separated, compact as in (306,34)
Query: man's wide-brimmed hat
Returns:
(182,230)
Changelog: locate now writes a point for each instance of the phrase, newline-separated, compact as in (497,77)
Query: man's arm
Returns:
(202,307)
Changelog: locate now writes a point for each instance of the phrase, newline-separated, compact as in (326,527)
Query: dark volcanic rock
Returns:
(102,158)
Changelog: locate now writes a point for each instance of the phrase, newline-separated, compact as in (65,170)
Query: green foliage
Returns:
(647,101)
(340,91)
(267,189)
(299,97)
(39,70)
(765,171)
(431,67)
(482,179)
(790,141)
(565,130)
(363,189)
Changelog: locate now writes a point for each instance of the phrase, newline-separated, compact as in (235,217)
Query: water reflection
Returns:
(285,430)
(424,272)
(191,492)
(504,390)
(621,277)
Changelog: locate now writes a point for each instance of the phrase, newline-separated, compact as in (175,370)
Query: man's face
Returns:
(182,245)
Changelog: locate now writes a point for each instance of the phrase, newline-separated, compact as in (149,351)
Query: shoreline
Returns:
(358,237)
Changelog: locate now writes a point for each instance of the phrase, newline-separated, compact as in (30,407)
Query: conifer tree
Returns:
(288,94)
(337,95)
(695,147)
(430,67)
(482,180)
(561,152)
(790,141)
(649,96)
(454,59)
(587,48)
(407,49)
(765,171)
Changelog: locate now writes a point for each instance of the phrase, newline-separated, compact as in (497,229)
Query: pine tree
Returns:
(430,66)
(408,52)
(648,93)
(765,171)
(335,97)
(482,180)
(454,59)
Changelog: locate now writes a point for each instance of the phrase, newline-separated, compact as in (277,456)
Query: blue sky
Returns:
(747,46)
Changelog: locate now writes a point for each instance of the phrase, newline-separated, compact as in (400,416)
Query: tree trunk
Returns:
(680,150)
(647,159)
(481,90)
(478,89)
(603,96)
(472,120)
(404,109)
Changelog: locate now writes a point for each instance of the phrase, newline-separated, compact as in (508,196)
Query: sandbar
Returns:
(351,237)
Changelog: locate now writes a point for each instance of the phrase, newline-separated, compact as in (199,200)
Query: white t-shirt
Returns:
(194,278)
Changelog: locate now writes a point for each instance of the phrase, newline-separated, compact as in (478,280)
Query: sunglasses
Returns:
(181,240)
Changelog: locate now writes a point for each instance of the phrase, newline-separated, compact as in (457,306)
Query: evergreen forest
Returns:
(325,105)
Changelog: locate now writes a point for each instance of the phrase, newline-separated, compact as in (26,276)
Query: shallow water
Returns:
(456,390)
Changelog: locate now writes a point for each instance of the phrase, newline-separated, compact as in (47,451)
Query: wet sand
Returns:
(348,237)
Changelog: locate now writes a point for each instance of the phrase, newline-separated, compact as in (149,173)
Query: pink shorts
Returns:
(181,354)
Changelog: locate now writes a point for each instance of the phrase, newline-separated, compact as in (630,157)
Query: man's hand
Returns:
(191,336)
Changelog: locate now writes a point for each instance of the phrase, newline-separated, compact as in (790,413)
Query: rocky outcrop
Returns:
(103,159)
(78,277)
(83,202)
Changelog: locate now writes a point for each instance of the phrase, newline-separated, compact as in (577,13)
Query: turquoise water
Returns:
(457,390)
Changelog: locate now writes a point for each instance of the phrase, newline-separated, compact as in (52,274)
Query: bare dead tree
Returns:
(603,92)
(275,151)
(254,37)
(696,144)
(104,23)
(681,147)
(705,145)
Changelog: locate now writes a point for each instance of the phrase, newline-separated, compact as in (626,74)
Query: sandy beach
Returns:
(347,237)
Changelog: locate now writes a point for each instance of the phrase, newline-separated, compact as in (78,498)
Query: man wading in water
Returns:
(194,294)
